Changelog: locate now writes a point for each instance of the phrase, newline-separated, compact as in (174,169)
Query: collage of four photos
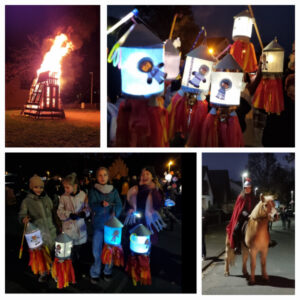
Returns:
(97,202)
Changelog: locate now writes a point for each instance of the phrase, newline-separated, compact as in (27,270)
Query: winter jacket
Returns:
(40,209)
(75,229)
(101,214)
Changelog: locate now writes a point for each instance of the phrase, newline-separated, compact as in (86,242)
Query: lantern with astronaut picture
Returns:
(39,254)
(269,93)
(140,56)
(172,60)
(242,49)
(112,252)
(62,269)
(242,26)
(227,79)
(197,70)
(138,263)
(272,58)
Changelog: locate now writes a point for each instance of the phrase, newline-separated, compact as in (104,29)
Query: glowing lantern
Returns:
(33,236)
(112,251)
(140,56)
(242,26)
(197,70)
(172,60)
(273,58)
(62,268)
(39,255)
(226,82)
(138,263)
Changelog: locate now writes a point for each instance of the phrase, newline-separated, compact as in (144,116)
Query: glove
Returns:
(155,220)
(81,214)
(130,218)
(245,214)
(73,216)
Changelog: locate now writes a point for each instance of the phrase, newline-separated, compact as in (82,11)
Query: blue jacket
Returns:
(101,214)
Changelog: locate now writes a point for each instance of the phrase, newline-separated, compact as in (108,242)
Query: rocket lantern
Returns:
(113,232)
(33,236)
(226,82)
(141,59)
(63,246)
(112,251)
(140,239)
(197,70)
(272,58)
(242,26)
(172,60)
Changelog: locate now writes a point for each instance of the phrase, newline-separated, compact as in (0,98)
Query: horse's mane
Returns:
(257,214)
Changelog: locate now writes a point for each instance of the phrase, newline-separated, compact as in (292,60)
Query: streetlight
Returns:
(256,188)
(244,175)
(169,164)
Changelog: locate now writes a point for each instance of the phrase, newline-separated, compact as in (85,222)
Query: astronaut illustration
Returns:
(146,65)
(224,85)
(264,62)
(199,76)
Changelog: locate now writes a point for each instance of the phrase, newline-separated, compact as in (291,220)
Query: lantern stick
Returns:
(22,242)
(226,49)
(255,26)
(198,36)
(173,26)
(134,13)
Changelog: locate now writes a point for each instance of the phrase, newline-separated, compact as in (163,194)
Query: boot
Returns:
(236,239)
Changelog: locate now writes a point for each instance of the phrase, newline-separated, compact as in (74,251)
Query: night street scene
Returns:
(201,76)
(52,76)
(100,223)
(248,224)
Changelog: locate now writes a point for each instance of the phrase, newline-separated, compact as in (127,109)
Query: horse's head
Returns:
(268,206)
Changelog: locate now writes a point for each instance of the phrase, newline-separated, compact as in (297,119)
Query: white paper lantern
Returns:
(227,82)
(140,239)
(63,246)
(242,26)
(172,60)
(197,71)
(113,232)
(142,63)
(33,236)
(273,58)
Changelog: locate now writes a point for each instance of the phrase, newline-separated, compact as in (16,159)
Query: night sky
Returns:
(272,20)
(235,163)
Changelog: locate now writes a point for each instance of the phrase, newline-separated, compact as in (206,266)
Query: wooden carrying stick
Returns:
(22,242)
(255,26)
(173,26)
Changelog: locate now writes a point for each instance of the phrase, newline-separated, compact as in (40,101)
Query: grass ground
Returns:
(81,128)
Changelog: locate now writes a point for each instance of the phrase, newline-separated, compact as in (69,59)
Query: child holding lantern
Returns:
(37,208)
(105,202)
(72,210)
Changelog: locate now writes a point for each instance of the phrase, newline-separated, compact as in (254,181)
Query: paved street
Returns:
(280,266)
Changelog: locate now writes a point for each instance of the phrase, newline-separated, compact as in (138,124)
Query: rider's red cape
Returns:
(238,207)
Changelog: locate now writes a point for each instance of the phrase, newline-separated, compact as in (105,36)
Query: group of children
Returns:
(102,202)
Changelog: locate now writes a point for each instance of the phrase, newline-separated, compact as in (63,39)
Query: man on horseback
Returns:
(243,207)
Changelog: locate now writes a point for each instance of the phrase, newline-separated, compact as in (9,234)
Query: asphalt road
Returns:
(280,268)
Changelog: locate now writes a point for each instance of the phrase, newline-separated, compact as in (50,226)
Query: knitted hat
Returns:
(35,180)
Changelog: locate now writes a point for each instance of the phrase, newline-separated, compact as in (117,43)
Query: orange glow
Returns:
(52,59)
(211,51)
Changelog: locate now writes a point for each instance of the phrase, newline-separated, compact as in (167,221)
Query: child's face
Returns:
(69,189)
(38,189)
(146,177)
(248,190)
(102,177)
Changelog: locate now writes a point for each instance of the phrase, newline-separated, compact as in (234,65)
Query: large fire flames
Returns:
(52,59)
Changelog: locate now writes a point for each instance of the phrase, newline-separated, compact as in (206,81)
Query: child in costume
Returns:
(72,210)
(104,201)
(37,208)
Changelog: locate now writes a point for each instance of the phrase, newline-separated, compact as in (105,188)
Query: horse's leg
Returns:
(263,260)
(253,253)
(226,270)
(245,254)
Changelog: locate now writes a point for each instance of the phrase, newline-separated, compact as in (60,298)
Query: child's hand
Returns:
(105,203)
(26,220)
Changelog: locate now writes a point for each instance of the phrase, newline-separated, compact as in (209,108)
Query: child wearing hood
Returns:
(105,202)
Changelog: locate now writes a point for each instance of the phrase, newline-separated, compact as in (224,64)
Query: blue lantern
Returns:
(140,56)
(113,232)
(140,239)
